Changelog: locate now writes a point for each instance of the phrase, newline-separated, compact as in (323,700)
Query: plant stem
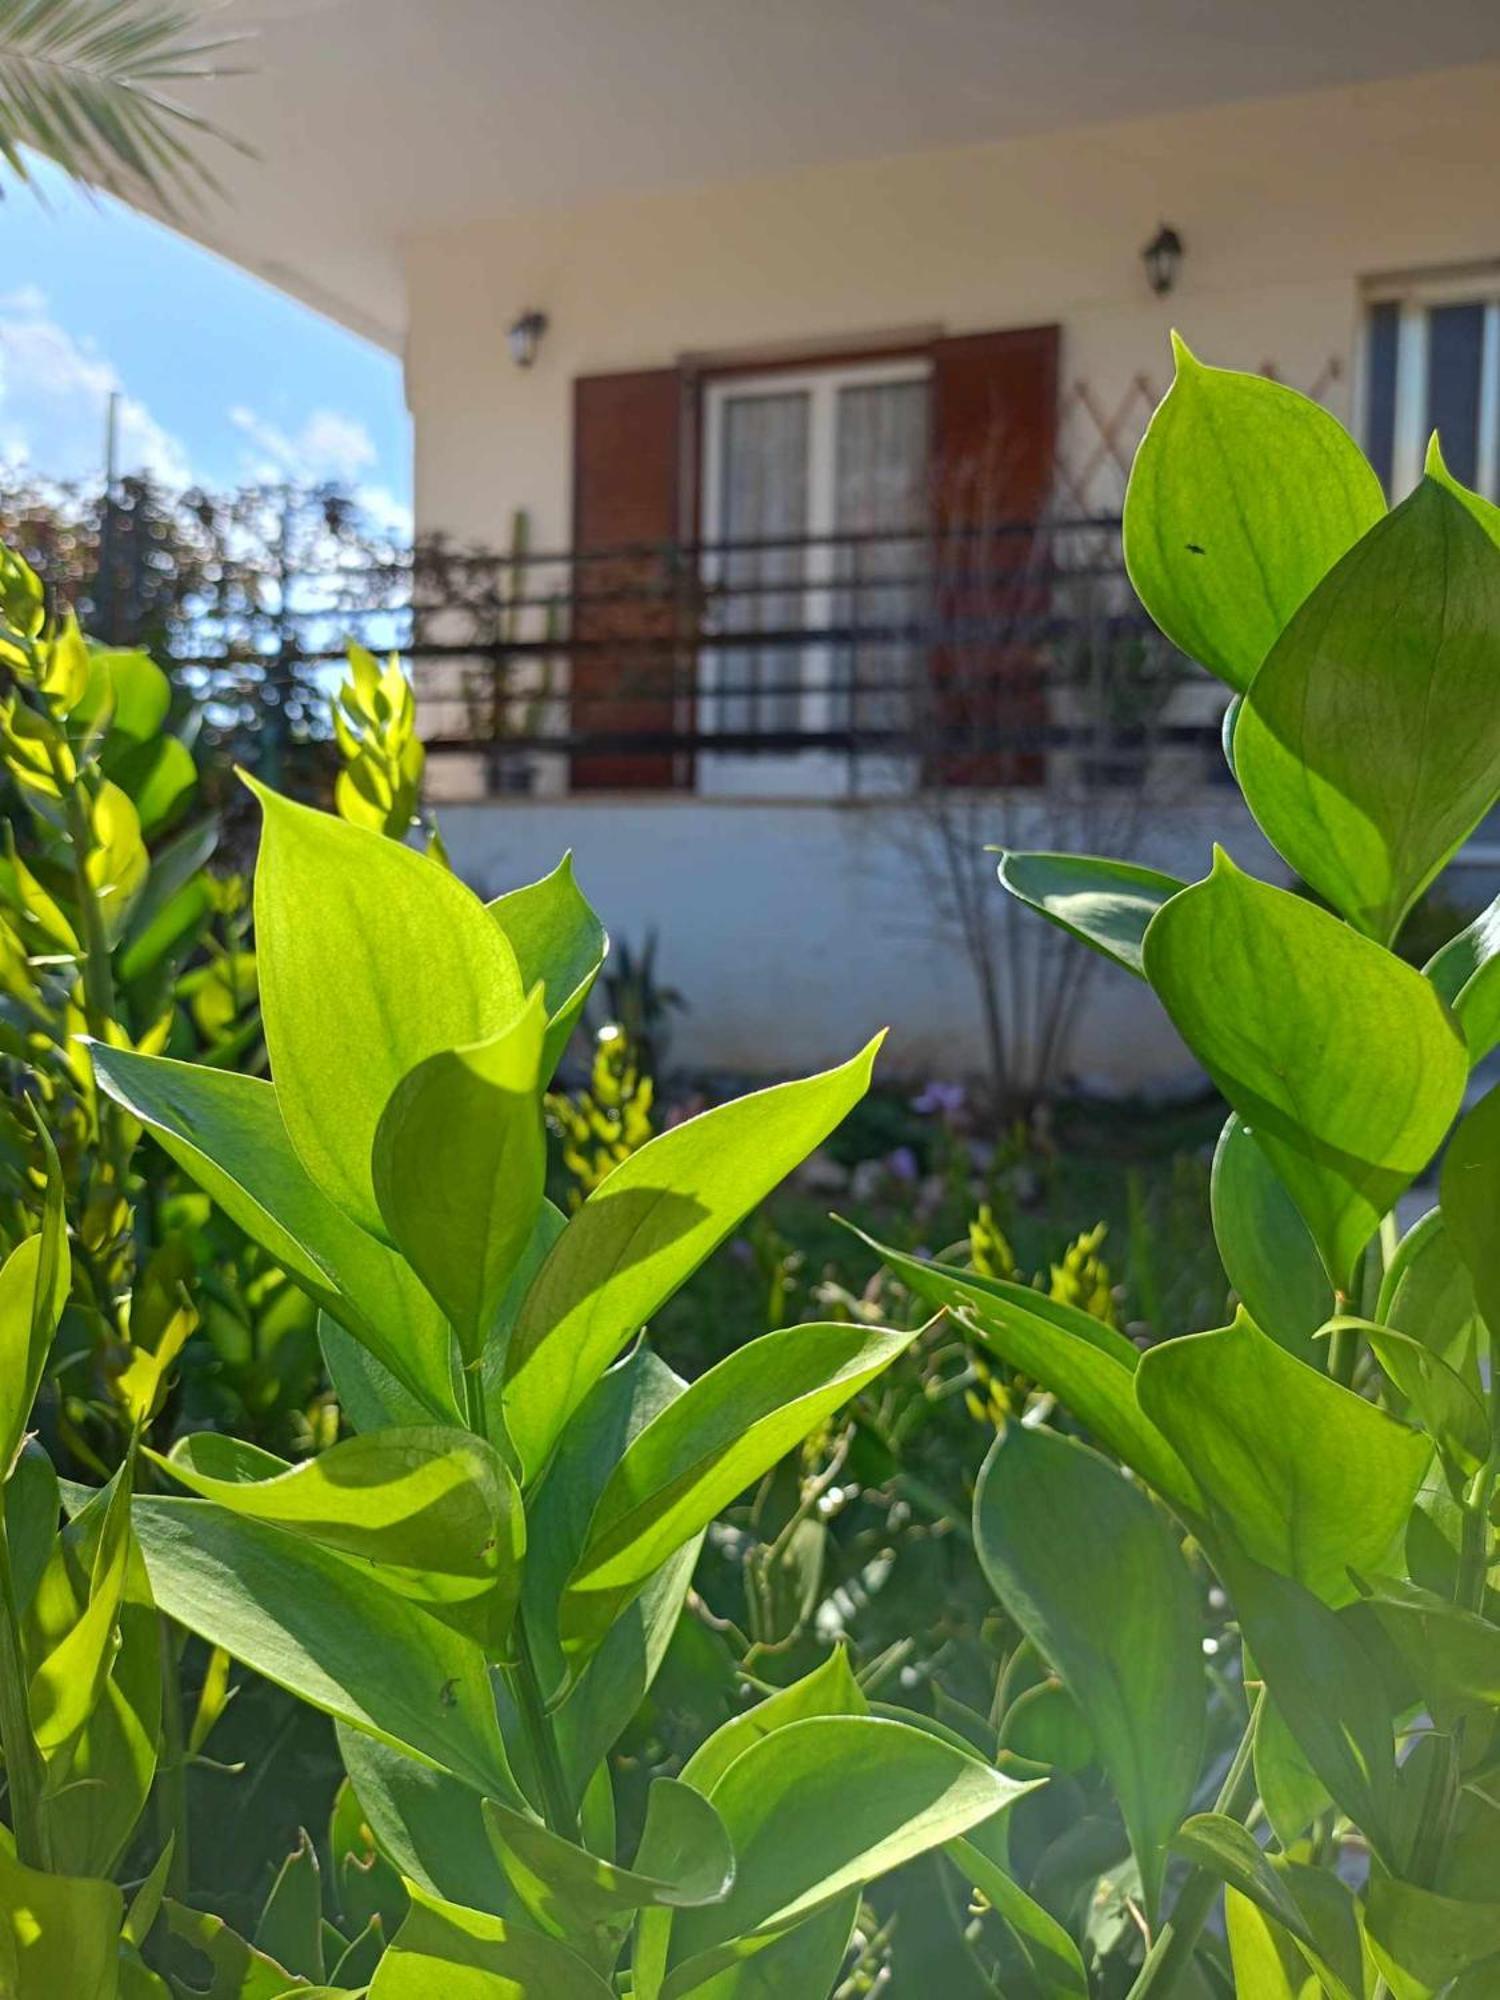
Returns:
(23,1764)
(557,1808)
(98,975)
(1172,1950)
(171,1771)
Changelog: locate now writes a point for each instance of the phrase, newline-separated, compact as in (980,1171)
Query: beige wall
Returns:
(1285,205)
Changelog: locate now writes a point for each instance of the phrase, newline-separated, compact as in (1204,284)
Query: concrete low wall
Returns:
(795,930)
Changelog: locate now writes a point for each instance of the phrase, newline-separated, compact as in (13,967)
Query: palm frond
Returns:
(87,84)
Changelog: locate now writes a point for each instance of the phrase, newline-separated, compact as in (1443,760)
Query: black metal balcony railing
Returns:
(967,654)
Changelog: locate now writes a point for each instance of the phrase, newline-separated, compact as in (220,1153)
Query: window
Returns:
(815,493)
(1432,363)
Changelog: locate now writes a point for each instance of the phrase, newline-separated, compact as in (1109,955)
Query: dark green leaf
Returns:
(1467,974)
(1106,904)
(1268,1256)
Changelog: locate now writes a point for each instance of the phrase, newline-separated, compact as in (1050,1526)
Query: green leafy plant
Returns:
(1332,1455)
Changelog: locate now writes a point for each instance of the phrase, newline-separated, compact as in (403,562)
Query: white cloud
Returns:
(328,446)
(54,396)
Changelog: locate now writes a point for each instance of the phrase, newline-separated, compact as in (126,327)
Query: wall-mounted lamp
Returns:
(525,337)
(1162,258)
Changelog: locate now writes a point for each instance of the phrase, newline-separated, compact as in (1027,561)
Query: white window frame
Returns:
(809,772)
(1415,295)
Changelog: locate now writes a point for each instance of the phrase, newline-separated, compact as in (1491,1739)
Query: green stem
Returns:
(98,974)
(1172,1949)
(171,1771)
(23,1764)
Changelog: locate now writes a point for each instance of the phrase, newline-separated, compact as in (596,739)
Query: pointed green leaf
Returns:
(431,1514)
(1452,1655)
(1229,1850)
(460,1159)
(68,1682)
(1290,1789)
(1266,1960)
(1422,1941)
(428,1823)
(1428,1293)
(1369,745)
(239,1971)
(1105,904)
(464,1955)
(1471,1202)
(1440,1400)
(817,1808)
(704,1448)
(558,940)
(290,1928)
(1467,974)
(34,1283)
(1243,495)
(1350,1100)
(1268,1255)
(1087,1365)
(226,1130)
(1309,1478)
(1054,1959)
(308,1620)
(1092,1573)
(372,958)
(645,1231)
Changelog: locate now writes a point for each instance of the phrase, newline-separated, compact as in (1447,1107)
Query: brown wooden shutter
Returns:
(994,433)
(631,672)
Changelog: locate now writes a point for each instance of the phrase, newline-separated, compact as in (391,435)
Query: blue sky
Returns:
(223,380)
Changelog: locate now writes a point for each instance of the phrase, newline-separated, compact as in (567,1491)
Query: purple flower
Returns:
(902,1164)
(941,1100)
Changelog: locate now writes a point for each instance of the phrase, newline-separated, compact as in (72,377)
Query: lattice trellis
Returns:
(1096,442)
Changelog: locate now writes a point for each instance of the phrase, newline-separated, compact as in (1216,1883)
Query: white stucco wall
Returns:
(1285,206)
(795,931)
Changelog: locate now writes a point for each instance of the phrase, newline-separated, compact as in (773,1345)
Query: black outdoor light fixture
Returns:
(525,337)
(1162,257)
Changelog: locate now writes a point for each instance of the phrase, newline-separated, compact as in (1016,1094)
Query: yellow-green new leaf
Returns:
(1466,971)
(645,1231)
(67,1684)
(817,1808)
(1342,1061)
(1308,1478)
(559,941)
(432,1514)
(1369,745)
(34,1282)
(226,1130)
(1091,1571)
(703,1449)
(1243,495)
(372,958)
(459,1163)
(59,1934)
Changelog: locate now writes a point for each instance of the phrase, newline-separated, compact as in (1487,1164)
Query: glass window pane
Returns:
(881,478)
(762,498)
(1380,391)
(1455,344)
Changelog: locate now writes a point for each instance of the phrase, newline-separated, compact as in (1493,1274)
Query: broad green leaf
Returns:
(1267,1254)
(1428,1293)
(1229,1850)
(549,1225)
(1092,1573)
(34,1282)
(171,902)
(707,1446)
(372,958)
(466,1955)
(1421,1941)
(238,1970)
(227,1131)
(1369,745)
(158,778)
(1441,1401)
(684,1860)
(558,940)
(308,1620)
(830,1689)
(32,1506)
(803,1962)
(1087,1365)
(1348,1082)
(1053,1957)
(69,1680)
(370,1397)
(129,690)
(1452,1655)
(1290,1789)
(645,1231)
(1309,1478)
(59,1934)
(1243,495)
(1470,1189)
(431,1514)
(1467,974)
(1106,904)
(1267,1963)
(429,1823)
(117,864)
(614,1682)
(1327,1689)
(817,1808)
(460,1159)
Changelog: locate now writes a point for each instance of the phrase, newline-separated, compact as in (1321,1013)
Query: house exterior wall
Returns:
(1285,205)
